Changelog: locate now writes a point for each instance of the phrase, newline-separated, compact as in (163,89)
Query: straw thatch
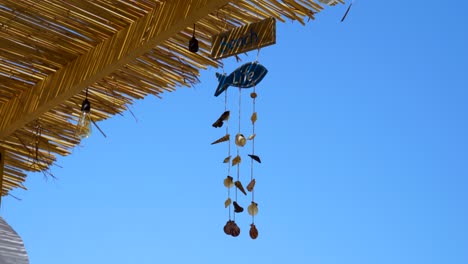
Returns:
(121,50)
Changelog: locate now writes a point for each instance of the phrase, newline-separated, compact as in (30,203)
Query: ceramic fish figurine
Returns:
(246,76)
(221,139)
(255,157)
(240,187)
(224,116)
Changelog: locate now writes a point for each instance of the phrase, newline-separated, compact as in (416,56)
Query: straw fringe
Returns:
(121,50)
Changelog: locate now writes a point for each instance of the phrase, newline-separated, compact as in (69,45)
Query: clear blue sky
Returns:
(362,132)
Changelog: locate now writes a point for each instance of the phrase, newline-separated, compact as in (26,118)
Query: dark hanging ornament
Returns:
(86,106)
(193,43)
(237,208)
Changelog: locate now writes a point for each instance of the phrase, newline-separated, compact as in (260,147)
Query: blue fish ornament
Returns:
(246,76)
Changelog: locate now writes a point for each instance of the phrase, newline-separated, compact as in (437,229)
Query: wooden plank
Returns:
(243,39)
(113,53)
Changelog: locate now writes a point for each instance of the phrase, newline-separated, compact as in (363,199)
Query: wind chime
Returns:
(246,76)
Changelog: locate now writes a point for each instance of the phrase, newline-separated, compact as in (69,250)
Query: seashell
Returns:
(224,116)
(221,139)
(227,203)
(251,136)
(253,231)
(240,187)
(253,95)
(228,183)
(237,207)
(253,209)
(227,159)
(235,231)
(228,227)
(236,160)
(251,185)
(255,157)
(253,118)
(240,140)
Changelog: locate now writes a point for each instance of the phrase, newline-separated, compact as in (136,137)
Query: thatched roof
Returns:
(121,50)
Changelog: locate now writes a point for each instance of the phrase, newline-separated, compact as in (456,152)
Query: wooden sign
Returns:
(243,39)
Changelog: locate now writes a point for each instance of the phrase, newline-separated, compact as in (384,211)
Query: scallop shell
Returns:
(253,231)
(253,209)
(228,182)
(240,140)
(251,185)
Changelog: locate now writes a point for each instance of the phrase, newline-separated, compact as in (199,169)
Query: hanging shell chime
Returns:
(246,76)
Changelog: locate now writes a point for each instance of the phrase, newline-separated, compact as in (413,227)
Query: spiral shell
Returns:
(253,231)
(221,139)
(240,187)
(253,209)
(240,140)
(228,182)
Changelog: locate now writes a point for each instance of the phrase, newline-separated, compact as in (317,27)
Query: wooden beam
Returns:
(124,47)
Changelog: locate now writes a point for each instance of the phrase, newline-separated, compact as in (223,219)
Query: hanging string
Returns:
(229,149)
(253,151)
(238,148)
